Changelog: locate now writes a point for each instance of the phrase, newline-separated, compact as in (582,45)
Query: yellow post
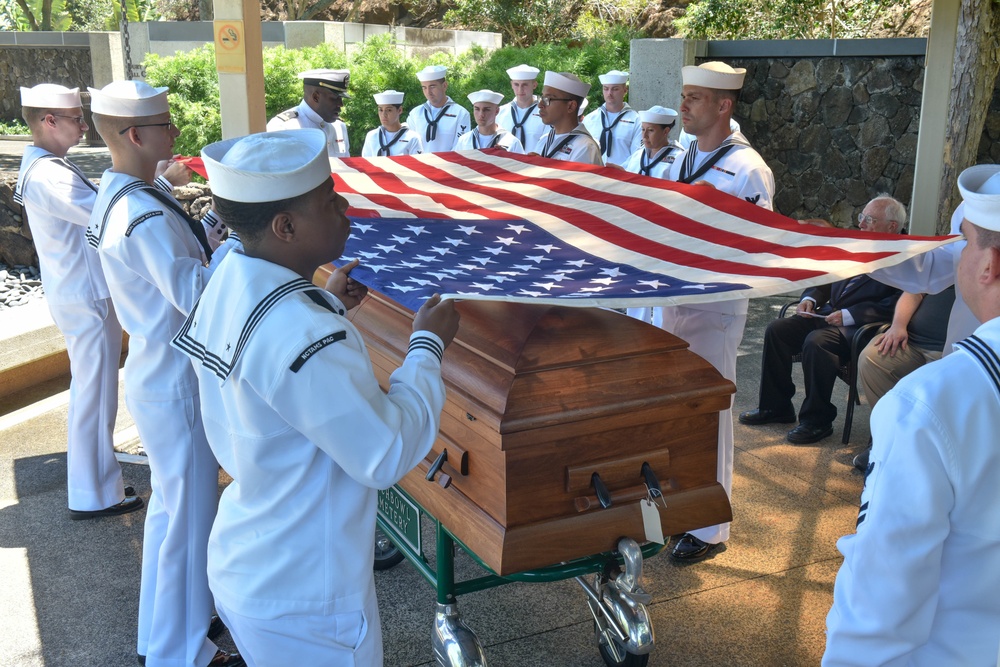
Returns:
(240,63)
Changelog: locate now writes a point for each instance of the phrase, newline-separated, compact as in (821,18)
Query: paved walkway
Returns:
(69,590)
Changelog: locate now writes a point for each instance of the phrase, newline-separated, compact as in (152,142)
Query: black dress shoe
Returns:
(806,434)
(861,460)
(223,659)
(762,416)
(130,504)
(690,549)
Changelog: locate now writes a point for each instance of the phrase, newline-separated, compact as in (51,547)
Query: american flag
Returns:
(492,225)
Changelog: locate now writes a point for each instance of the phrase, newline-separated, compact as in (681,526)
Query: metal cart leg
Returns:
(454,642)
(622,626)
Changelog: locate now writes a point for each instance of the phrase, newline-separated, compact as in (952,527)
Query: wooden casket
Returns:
(539,399)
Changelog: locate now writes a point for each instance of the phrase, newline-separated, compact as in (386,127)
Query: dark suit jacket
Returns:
(866,299)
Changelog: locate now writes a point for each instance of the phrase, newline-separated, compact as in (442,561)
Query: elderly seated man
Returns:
(821,332)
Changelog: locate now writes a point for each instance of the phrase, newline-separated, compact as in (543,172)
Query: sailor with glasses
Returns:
(157,261)
(566,139)
(440,121)
(57,199)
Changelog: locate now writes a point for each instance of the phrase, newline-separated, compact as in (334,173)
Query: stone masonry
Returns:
(835,131)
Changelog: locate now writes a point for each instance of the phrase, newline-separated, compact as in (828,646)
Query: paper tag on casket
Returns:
(651,521)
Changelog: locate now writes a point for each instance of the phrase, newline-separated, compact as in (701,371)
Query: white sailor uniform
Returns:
(155,268)
(525,124)
(618,134)
(919,579)
(337,142)
(713,331)
(574,146)
(58,198)
(292,543)
(382,142)
(502,139)
(933,272)
(439,128)
(658,165)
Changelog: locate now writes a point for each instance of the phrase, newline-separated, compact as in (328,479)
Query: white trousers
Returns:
(351,639)
(175,604)
(715,337)
(94,345)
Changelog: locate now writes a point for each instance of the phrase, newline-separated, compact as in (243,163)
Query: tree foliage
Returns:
(378,65)
(43,15)
(522,22)
(783,19)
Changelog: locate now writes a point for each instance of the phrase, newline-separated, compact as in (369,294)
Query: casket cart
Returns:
(558,422)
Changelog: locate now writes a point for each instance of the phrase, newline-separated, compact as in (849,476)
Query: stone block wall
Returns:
(835,131)
(27,66)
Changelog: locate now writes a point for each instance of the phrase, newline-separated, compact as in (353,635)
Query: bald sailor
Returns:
(157,261)
(520,116)
(487,134)
(439,121)
(323,93)
(58,199)
(724,160)
(391,137)
(615,124)
(658,152)
(566,138)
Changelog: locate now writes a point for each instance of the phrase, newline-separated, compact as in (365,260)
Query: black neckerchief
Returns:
(432,125)
(607,132)
(562,144)
(475,140)
(196,227)
(383,146)
(519,123)
(687,167)
(645,167)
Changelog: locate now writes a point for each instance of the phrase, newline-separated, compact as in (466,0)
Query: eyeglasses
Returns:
(546,100)
(76,119)
(169,125)
(869,220)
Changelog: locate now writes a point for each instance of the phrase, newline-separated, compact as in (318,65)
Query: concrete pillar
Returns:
(300,34)
(655,70)
(139,48)
(241,93)
(938,65)
(107,61)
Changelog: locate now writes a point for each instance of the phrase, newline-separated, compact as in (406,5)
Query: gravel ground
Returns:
(19,285)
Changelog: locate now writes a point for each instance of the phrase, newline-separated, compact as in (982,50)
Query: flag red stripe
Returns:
(662,217)
(597,227)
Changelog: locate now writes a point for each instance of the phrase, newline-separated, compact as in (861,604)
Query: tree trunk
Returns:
(977,62)
(206,10)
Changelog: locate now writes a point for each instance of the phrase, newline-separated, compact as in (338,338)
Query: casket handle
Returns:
(653,484)
(444,480)
(603,495)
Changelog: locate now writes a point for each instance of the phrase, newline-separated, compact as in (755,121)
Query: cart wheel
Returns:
(386,553)
(614,653)
(612,650)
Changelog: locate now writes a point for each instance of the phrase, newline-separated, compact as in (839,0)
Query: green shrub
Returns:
(378,65)
(14,127)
